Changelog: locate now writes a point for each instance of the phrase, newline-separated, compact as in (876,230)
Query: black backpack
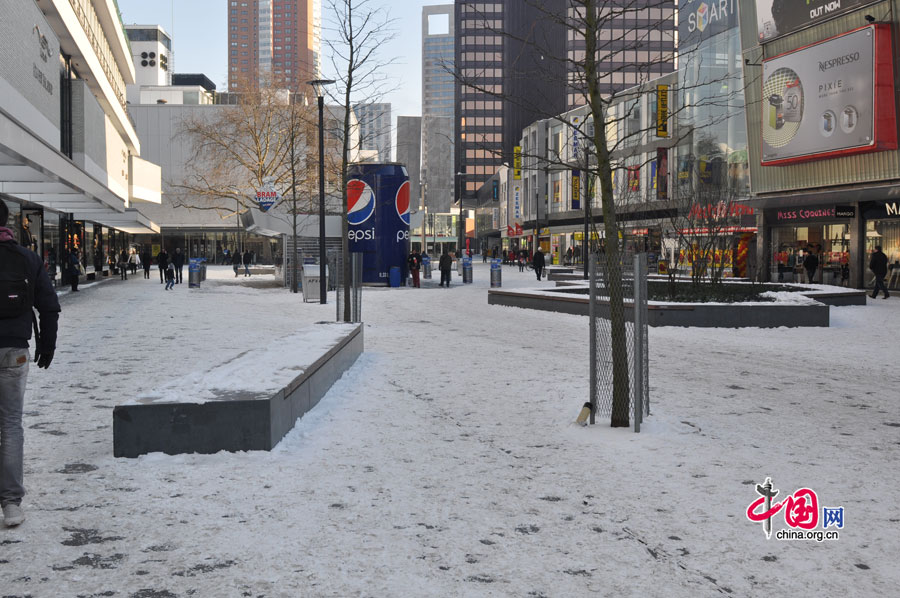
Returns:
(16,285)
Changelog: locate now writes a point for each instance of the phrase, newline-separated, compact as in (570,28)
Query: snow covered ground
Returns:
(446,462)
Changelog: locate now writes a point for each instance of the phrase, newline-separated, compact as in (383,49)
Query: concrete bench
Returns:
(248,403)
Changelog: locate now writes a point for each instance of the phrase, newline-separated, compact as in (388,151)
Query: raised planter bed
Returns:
(571,297)
(249,403)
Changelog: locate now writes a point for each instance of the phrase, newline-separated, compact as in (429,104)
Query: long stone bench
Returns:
(247,404)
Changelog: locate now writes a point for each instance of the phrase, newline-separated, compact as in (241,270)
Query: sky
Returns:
(198,29)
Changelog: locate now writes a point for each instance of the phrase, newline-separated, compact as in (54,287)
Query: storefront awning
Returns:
(837,195)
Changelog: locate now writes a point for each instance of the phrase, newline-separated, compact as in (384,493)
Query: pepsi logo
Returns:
(401,202)
(360,202)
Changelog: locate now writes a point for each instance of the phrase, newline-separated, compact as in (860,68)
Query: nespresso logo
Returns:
(839,61)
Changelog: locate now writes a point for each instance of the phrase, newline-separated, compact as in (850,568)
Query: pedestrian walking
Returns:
(24,287)
(170,276)
(569,254)
(146,262)
(122,265)
(236,262)
(521,261)
(178,262)
(162,260)
(134,260)
(811,264)
(878,265)
(445,264)
(247,259)
(74,269)
(539,263)
(414,261)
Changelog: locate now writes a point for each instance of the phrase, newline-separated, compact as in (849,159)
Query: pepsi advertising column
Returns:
(378,218)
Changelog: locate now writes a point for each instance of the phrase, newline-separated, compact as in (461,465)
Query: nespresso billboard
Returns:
(775,18)
(830,99)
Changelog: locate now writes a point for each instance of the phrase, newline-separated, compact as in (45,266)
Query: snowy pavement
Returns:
(446,463)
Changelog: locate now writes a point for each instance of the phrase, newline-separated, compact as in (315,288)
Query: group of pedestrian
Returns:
(237,259)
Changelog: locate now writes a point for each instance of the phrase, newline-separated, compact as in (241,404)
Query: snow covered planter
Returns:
(808,305)
(247,403)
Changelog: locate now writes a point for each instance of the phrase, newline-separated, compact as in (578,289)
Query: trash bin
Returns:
(396,277)
(496,273)
(467,270)
(426,266)
(311,279)
(194,273)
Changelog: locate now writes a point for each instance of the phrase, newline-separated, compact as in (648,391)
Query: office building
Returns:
(635,43)
(273,40)
(375,130)
(438,82)
(507,82)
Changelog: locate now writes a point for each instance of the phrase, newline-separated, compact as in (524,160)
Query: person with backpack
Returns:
(24,286)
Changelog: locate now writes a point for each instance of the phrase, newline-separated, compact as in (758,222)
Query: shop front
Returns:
(883,229)
(821,230)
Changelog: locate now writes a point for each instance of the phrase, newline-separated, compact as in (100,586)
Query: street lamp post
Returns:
(318,85)
(461,223)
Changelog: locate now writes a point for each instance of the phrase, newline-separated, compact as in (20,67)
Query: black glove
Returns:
(43,359)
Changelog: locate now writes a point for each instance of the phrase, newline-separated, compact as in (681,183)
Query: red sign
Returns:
(510,231)
(518,229)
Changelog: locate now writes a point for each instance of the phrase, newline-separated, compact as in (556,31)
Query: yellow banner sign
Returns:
(662,110)
(517,163)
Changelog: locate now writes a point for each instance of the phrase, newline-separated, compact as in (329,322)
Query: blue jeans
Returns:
(13,373)
(170,284)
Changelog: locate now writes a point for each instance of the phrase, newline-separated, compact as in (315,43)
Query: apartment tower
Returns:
(273,40)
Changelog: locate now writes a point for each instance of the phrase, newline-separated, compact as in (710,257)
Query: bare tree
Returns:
(601,34)
(358,30)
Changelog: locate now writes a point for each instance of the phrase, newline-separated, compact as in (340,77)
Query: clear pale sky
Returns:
(199,41)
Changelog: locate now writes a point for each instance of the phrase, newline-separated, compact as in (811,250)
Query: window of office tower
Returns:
(480,65)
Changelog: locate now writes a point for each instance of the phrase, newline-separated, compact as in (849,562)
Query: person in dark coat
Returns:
(162,260)
(445,264)
(414,261)
(74,268)
(811,264)
(123,265)
(539,263)
(236,262)
(878,266)
(178,262)
(16,326)
(247,259)
(146,262)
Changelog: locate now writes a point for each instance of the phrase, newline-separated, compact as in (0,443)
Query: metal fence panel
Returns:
(626,278)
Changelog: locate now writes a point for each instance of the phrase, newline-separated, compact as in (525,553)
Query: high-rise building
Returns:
(507,80)
(438,81)
(375,129)
(635,43)
(277,39)
(409,153)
